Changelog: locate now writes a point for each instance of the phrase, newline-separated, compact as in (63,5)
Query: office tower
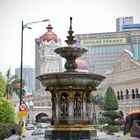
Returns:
(28,76)
(123,21)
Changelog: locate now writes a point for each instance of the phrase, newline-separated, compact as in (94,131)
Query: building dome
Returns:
(81,64)
(49,35)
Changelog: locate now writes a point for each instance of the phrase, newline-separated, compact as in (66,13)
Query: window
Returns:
(118,95)
(137,93)
(121,95)
(127,94)
(133,94)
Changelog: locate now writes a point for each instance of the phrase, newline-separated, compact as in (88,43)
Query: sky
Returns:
(89,16)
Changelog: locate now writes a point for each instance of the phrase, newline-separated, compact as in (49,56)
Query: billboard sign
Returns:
(101,42)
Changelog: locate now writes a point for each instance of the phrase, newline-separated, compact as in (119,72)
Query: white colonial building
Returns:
(125,80)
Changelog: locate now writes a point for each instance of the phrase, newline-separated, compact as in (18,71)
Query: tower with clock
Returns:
(46,60)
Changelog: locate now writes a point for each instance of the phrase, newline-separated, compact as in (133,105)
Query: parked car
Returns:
(132,124)
(30,127)
(39,131)
(43,125)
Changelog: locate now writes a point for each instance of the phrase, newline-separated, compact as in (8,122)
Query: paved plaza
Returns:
(100,136)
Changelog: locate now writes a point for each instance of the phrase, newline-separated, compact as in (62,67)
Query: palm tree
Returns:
(16,87)
(13,84)
(9,79)
(97,101)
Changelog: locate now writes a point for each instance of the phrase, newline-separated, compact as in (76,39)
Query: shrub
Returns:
(105,120)
(113,128)
(7,112)
(111,116)
(110,102)
(5,130)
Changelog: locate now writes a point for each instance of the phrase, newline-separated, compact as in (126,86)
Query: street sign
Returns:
(22,107)
(22,113)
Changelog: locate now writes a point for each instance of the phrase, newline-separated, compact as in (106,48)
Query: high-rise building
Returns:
(104,49)
(123,21)
(126,24)
(135,43)
(46,60)
(128,27)
(28,75)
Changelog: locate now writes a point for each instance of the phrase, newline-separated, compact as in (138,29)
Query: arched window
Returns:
(127,94)
(121,95)
(118,95)
(133,94)
(137,93)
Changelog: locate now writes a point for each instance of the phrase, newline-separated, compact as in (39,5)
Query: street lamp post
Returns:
(23,26)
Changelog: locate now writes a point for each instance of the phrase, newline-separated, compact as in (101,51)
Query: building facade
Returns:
(28,75)
(135,43)
(104,49)
(46,60)
(125,80)
(123,21)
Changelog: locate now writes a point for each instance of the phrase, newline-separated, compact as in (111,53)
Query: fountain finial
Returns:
(70,38)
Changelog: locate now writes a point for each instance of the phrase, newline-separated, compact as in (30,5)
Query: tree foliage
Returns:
(110,102)
(7,112)
(16,89)
(98,100)
(10,80)
(2,84)
(111,116)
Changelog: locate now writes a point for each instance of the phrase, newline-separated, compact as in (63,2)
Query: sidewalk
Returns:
(116,136)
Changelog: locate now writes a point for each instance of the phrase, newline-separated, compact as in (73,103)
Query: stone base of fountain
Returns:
(73,132)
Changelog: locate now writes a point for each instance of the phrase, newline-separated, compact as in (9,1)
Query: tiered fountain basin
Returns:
(67,80)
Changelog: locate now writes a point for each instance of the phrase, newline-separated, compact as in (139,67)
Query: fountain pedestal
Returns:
(74,132)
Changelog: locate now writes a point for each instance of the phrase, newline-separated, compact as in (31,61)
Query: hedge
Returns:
(5,130)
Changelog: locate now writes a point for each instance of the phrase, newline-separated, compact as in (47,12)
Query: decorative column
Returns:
(71,107)
(84,111)
(71,111)
(57,112)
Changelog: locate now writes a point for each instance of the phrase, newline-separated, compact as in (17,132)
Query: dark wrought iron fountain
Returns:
(70,92)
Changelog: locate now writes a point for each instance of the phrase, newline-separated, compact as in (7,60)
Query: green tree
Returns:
(12,80)
(9,79)
(111,116)
(2,83)
(96,101)
(110,102)
(7,112)
(16,87)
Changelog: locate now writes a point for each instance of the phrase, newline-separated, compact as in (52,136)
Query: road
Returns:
(100,136)
(30,137)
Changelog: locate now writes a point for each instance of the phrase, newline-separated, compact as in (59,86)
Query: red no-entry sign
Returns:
(22,107)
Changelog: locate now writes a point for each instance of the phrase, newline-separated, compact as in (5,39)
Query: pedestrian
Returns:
(13,136)
(21,123)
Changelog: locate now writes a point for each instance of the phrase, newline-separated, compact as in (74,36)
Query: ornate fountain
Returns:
(70,90)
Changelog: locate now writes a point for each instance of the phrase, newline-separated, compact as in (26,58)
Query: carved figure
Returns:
(64,106)
(77,106)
